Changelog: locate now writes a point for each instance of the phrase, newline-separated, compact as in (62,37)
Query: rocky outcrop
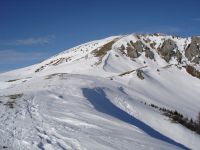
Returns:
(149,54)
(167,50)
(196,39)
(194,72)
(138,45)
(122,49)
(140,74)
(132,52)
(192,52)
(179,56)
(152,45)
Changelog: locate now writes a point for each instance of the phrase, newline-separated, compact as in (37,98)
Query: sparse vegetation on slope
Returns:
(54,63)
(15,96)
(177,117)
(12,100)
(104,49)
(125,73)
(13,80)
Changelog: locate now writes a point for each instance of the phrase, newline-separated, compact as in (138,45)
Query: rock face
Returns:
(140,74)
(139,46)
(178,56)
(167,50)
(132,52)
(192,52)
(191,70)
(196,39)
(122,49)
(149,54)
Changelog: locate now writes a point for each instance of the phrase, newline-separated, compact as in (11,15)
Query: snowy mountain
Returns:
(119,93)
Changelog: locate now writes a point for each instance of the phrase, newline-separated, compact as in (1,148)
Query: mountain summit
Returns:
(138,91)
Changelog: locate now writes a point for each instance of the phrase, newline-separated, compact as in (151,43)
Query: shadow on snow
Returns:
(98,99)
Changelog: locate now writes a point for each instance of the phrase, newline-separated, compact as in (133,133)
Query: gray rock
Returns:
(122,49)
(191,70)
(192,52)
(152,45)
(132,52)
(140,74)
(138,45)
(196,39)
(167,50)
(149,54)
(178,56)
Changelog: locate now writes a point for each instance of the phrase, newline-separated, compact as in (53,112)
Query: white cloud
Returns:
(32,41)
(196,19)
(16,56)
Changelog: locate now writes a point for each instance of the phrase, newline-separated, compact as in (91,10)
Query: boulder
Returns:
(140,74)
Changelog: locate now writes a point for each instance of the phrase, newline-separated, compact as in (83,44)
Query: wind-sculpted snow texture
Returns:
(97,96)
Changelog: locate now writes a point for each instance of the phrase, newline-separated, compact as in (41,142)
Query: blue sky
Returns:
(33,30)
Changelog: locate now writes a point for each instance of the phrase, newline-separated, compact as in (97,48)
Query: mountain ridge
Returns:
(52,104)
(185,50)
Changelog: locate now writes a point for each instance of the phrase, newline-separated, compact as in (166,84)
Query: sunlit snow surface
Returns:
(75,104)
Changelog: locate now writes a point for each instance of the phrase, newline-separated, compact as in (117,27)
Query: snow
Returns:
(75,105)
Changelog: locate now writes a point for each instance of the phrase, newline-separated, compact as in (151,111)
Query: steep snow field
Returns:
(83,99)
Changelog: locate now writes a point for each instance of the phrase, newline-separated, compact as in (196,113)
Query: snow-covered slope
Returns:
(97,96)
